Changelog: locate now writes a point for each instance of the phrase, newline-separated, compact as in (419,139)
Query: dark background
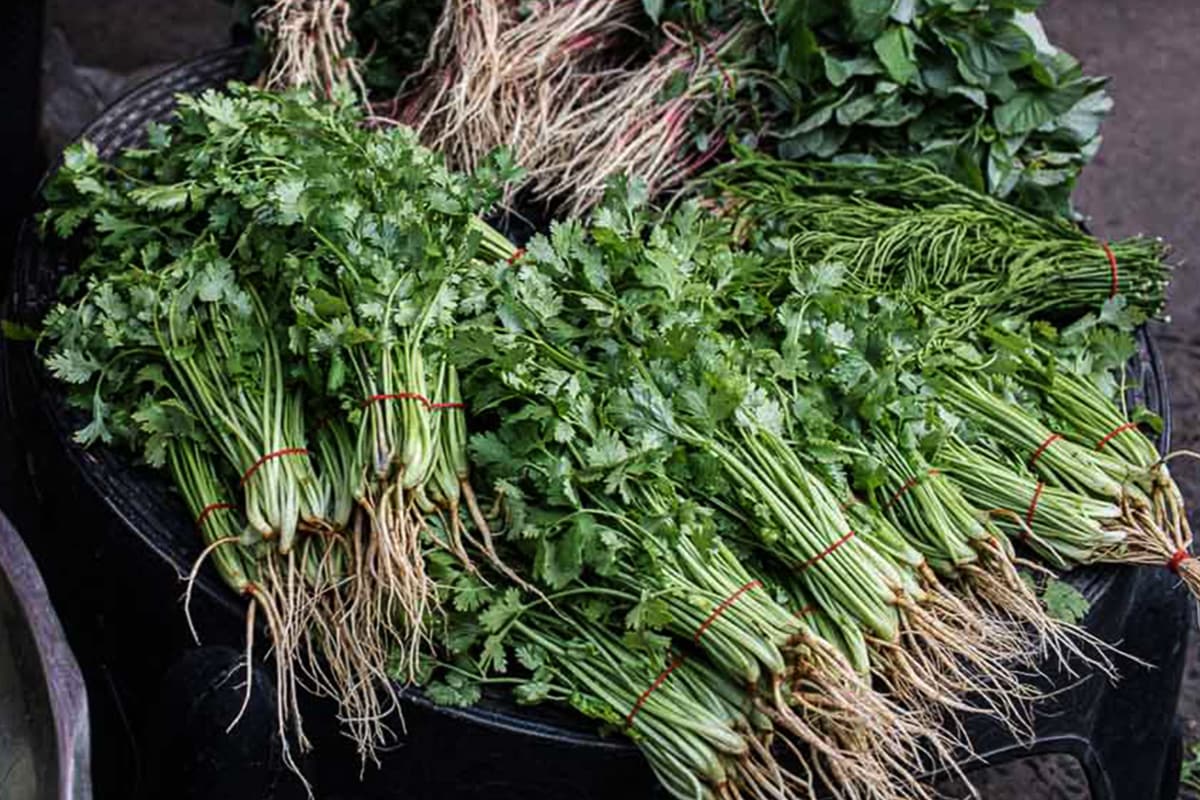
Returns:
(1145,180)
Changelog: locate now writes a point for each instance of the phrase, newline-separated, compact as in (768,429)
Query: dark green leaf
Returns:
(1064,602)
(895,50)
(839,71)
(866,19)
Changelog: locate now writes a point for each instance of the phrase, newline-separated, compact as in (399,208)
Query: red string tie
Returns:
(804,612)
(420,398)
(378,398)
(675,664)
(208,510)
(720,609)
(1112,263)
(1177,559)
(1128,426)
(659,681)
(909,484)
(1042,447)
(287,451)
(845,538)
(517,255)
(1037,495)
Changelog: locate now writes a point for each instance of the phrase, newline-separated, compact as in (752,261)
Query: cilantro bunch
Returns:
(960,362)
(641,452)
(679,405)
(262,307)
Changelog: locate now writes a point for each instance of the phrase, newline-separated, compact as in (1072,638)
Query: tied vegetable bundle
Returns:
(900,227)
(262,309)
(656,357)
(1034,419)
(734,499)
(701,510)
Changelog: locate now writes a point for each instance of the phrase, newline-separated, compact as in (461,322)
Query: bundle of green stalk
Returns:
(636,375)
(259,224)
(1092,488)
(1090,501)
(967,267)
(259,309)
(726,698)
(669,424)
(899,227)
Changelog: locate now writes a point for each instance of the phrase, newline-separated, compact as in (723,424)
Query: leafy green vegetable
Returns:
(740,462)
(264,281)
(1189,774)
(975,88)
(392,36)
(1065,602)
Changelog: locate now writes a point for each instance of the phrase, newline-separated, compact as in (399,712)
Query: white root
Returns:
(309,41)
(559,91)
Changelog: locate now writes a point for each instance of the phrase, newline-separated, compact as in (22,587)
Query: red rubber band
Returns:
(287,451)
(909,484)
(209,509)
(659,681)
(1177,559)
(516,256)
(666,673)
(1112,262)
(1128,426)
(376,398)
(422,399)
(847,537)
(719,610)
(1042,447)
(1037,495)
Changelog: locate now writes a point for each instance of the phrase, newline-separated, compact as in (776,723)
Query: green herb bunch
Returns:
(964,365)
(688,399)
(972,85)
(261,285)
(755,472)
(646,361)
